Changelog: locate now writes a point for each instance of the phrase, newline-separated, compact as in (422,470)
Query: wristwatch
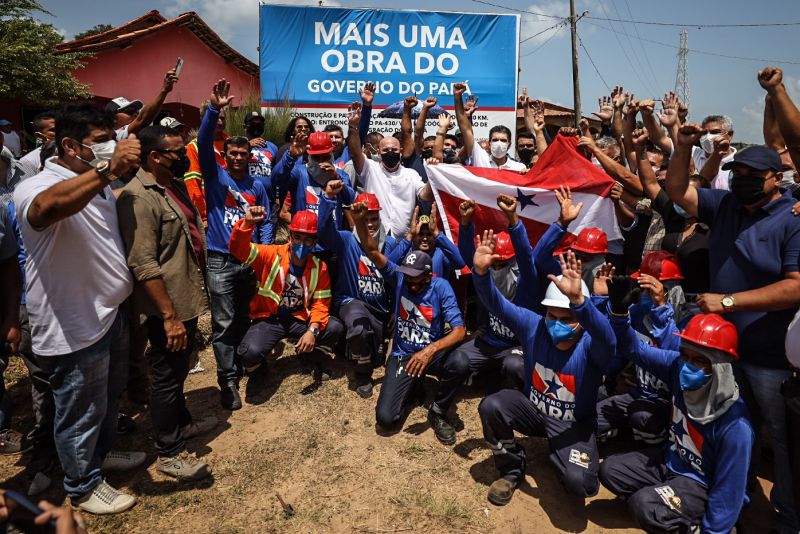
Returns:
(314,330)
(104,169)
(728,303)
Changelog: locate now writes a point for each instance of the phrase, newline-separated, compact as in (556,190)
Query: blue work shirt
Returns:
(749,252)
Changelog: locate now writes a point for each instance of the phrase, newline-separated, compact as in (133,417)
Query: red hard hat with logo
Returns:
(371,200)
(503,246)
(591,241)
(304,222)
(566,243)
(319,143)
(660,264)
(712,331)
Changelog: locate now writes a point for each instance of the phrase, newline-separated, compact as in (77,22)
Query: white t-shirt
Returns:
(481,159)
(76,270)
(720,181)
(12,142)
(31,162)
(122,133)
(397,193)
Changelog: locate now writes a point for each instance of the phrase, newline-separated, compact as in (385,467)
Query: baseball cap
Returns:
(171,122)
(4,122)
(120,103)
(253,115)
(759,157)
(416,263)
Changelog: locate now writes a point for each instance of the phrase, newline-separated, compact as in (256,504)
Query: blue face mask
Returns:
(301,251)
(680,211)
(561,332)
(692,377)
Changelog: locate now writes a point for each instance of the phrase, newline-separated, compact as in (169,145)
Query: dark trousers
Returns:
(648,418)
(364,332)
(450,368)
(264,334)
(231,286)
(573,447)
(484,357)
(660,500)
(167,402)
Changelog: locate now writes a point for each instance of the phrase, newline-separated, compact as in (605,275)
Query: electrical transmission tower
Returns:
(682,76)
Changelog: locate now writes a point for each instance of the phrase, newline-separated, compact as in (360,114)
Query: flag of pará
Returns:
(537,207)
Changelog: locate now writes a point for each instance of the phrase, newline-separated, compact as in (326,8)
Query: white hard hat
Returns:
(555,298)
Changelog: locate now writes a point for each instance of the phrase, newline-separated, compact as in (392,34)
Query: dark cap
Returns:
(253,115)
(759,157)
(416,263)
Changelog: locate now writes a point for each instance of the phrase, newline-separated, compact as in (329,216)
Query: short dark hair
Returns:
(374,138)
(287,135)
(48,151)
(430,138)
(453,138)
(502,129)
(76,121)
(238,140)
(333,128)
(40,118)
(525,134)
(152,138)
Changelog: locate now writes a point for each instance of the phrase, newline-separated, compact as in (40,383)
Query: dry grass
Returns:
(322,454)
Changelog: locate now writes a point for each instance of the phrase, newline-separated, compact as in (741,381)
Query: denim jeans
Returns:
(86,387)
(231,286)
(761,390)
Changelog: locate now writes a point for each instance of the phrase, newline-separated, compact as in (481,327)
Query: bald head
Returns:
(389,144)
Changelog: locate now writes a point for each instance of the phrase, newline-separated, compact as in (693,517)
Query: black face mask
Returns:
(748,190)
(450,156)
(179,166)
(427,153)
(255,130)
(525,154)
(390,159)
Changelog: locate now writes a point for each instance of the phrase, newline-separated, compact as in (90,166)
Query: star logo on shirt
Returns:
(552,387)
(525,200)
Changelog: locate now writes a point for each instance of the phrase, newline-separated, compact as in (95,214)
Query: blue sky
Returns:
(635,60)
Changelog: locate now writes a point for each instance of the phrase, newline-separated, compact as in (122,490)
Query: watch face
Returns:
(727,302)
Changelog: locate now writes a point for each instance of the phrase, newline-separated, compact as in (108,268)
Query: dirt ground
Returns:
(322,454)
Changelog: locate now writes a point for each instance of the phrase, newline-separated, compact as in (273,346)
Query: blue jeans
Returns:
(86,387)
(761,389)
(231,286)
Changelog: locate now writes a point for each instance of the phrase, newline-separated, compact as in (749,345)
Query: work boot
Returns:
(185,467)
(229,396)
(125,424)
(256,382)
(442,428)
(501,491)
(12,442)
(364,385)
(198,428)
(104,499)
(123,460)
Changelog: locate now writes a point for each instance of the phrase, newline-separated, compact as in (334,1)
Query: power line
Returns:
(593,64)
(561,26)
(625,52)
(644,49)
(649,86)
(541,32)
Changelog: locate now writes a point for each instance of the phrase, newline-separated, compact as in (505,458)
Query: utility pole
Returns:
(576,84)
(682,76)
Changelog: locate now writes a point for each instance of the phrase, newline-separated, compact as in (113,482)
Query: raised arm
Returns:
(647,176)
(464,121)
(419,126)
(466,231)
(618,172)
(772,133)
(445,123)
(657,136)
(618,100)
(150,110)
(328,233)
(282,173)
(786,112)
(447,247)
(353,139)
(241,243)
(669,119)
(358,211)
(678,188)
(406,138)
(537,124)
(628,126)
(367,96)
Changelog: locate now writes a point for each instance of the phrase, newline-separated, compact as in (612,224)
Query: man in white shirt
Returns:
(11,138)
(715,151)
(397,188)
(44,129)
(78,278)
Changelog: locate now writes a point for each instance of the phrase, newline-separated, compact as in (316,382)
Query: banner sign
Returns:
(320,57)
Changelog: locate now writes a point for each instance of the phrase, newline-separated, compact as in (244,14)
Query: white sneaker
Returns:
(123,460)
(104,499)
(198,368)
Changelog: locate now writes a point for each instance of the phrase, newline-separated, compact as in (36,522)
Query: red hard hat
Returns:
(566,243)
(371,200)
(712,331)
(591,241)
(304,222)
(503,246)
(660,264)
(319,143)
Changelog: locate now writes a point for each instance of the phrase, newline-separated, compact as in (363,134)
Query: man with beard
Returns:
(422,304)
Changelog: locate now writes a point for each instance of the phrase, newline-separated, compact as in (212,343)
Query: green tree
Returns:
(99,28)
(31,69)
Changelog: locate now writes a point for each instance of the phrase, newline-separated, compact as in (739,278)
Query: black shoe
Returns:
(229,396)
(443,430)
(501,491)
(364,385)
(321,375)
(125,425)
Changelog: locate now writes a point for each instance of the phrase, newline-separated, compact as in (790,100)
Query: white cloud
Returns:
(536,25)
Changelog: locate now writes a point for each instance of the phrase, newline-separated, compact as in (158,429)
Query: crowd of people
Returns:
(118,232)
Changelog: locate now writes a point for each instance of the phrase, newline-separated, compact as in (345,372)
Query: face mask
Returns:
(316,173)
(707,143)
(525,154)
(390,160)
(450,156)
(375,157)
(788,177)
(680,211)
(427,153)
(692,378)
(748,190)
(102,152)
(561,332)
(301,250)
(255,131)
(179,166)
(499,149)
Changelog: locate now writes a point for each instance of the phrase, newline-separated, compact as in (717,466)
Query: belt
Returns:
(223,256)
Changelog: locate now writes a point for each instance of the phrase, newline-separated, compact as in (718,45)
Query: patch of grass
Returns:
(445,509)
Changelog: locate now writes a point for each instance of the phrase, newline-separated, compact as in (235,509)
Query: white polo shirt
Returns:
(76,270)
(397,193)
(720,181)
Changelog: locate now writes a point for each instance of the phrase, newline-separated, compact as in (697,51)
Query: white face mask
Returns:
(102,152)
(707,142)
(499,149)
(789,177)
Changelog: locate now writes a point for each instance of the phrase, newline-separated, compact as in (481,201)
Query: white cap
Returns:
(555,298)
(121,102)
(171,122)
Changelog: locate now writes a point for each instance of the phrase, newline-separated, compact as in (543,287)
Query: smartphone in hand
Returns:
(178,67)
